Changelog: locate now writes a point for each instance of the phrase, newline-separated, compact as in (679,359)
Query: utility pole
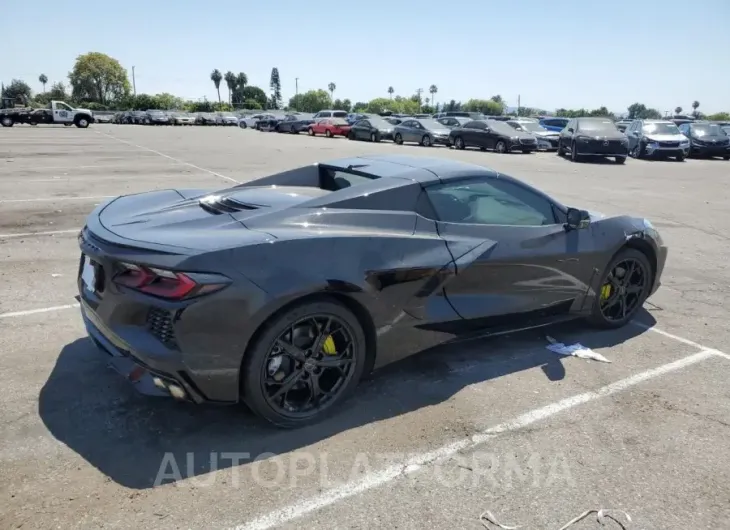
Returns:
(518,104)
(419,92)
(134,83)
(296,93)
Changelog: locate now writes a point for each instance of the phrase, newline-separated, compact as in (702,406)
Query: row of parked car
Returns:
(162,117)
(578,138)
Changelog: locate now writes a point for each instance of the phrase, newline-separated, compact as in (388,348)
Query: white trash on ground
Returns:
(574,350)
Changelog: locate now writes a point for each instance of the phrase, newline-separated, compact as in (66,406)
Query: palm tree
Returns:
(241,82)
(390,91)
(332,88)
(433,89)
(230,79)
(677,110)
(44,79)
(216,77)
(695,104)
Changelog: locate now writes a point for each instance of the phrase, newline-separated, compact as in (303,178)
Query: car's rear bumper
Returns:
(149,374)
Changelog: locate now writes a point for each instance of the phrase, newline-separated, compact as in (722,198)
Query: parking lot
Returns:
(501,424)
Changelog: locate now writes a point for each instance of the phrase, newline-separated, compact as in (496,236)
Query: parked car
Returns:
(182,118)
(593,137)
(546,140)
(226,118)
(355,117)
(269,123)
(103,117)
(426,132)
(295,123)
(373,128)
(270,319)
(554,124)
(453,121)
(706,139)
(205,118)
(330,127)
(137,117)
(330,114)
(621,125)
(251,121)
(458,114)
(649,138)
(491,134)
(394,120)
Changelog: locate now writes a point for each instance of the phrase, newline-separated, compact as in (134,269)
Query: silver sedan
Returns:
(425,132)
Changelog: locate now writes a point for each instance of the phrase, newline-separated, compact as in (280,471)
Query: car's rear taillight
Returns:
(171,285)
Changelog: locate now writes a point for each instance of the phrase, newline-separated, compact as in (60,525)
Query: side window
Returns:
(407,123)
(490,202)
(62,106)
(364,123)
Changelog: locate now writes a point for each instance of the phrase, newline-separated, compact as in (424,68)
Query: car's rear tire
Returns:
(620,159)
(679,158)
(374,137)
(7,121)
(328,133)
(81,122)
(271,358)
(243,125)
(560,151)
(726,157)
(310,131)
(602,313)
(398,139)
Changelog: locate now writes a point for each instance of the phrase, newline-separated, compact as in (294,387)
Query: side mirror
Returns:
(577,219)
(570,129)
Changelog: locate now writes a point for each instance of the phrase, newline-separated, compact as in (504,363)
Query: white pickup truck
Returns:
(57,112)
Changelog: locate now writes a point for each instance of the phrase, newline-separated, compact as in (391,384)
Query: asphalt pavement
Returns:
(500,425)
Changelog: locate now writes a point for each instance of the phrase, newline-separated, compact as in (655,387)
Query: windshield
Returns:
(705,129)
(432,124)
(502,127)
(660,128)
(226,114)
(532,126)
(597,126)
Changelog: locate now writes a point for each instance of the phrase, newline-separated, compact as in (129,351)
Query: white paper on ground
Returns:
(575,350)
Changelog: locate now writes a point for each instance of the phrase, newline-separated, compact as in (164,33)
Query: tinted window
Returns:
(339,114)
(334,180)
(490,201)
(363,123)
(703,129)
(660,128)
(597,125)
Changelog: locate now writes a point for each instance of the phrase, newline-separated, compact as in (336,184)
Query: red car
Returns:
(330,127)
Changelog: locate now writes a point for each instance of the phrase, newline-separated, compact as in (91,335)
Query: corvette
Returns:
(282,292)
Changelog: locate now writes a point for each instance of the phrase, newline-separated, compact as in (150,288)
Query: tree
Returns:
(311,101)
(432,90)
(230,79)
(485,106)
(677,110)
(275,86)
(217,77)
(390,91)
(43,78)
(255,93)
(57,92)
(719,116)
(16,90)
(498,99)
(98,78)
(238,92)
(360,106)
(332,87)
(695,104)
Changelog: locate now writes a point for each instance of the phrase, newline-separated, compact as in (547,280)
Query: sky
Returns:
(553,54)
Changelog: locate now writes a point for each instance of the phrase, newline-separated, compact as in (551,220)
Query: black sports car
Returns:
(283,291)
(295,123)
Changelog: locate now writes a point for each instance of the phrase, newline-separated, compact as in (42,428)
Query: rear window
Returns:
(339,114)
(339,121)
(334,179)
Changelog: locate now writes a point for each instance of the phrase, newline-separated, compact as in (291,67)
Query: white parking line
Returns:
(380,478)
(36,311)
(177,160)
(53,199)
(49,233)
(669,335)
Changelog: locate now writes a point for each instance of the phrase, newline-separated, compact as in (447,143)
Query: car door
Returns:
(362,129)
(512,252)
(406,130)
(633,133)
(416,132)
(62,113)
(482,135)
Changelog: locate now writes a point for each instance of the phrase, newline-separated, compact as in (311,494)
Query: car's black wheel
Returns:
(560,151)
(242,125)
(726,157)
(574,156)
(501,147)
(459,143)
(374,137)
(526,151)
(398,139)
(620,159)
(328,133)
(7,121)
(351,135)
(679,158)
(625,285)
(310,131)
(426,141)
(304,362)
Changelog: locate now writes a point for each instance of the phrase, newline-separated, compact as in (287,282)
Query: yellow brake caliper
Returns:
(329,346)
(606,291)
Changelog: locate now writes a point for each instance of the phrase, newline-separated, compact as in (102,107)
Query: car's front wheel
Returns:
(398,139)
(305,361)
(459,143)
(625,285)
(574,156)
